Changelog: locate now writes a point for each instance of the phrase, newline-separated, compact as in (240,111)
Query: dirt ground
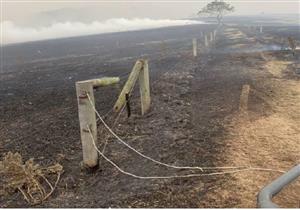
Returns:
(195,119)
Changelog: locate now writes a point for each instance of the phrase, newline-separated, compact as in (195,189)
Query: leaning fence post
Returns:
(145,87)
(140,71)
(87,117)
(133,76)
(194,47)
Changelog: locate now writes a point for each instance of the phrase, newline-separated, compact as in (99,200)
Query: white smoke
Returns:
(10,33)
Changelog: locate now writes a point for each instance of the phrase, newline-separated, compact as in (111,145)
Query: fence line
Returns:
(169,165)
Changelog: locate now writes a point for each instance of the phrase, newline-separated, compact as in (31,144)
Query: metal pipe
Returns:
(265,196)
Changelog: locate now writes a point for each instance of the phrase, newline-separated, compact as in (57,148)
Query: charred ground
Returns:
(194,119)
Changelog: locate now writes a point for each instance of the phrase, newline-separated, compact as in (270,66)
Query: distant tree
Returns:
(217,8)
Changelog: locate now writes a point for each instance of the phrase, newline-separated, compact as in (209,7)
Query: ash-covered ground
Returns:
(194,118)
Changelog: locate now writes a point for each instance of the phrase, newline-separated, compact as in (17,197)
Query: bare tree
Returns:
(217,8)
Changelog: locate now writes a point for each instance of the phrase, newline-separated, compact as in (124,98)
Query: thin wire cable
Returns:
(106,114)
(160,177)
(165,164)
(116,120)
(122,76)
(116,136)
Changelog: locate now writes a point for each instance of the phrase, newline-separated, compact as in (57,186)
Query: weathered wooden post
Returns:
(87,117)
(141,71)
(133,76)
(195,47)
(205,41)
(215,34)
(261,29)
(145,88)
(292,45)
(244,98)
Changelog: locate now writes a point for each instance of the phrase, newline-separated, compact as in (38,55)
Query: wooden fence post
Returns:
(145,87)
(292,45)
(244,98)
(128,85)
(141,71)
(194,47)
(87,117)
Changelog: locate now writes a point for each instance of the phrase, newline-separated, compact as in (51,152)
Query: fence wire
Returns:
(234,169)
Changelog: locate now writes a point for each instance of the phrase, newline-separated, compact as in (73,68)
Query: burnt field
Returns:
(194,119)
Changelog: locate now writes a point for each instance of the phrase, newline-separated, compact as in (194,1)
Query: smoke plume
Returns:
(11,33)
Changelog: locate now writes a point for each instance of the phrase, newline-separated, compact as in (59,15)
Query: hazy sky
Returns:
(32,12)
(25,20)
